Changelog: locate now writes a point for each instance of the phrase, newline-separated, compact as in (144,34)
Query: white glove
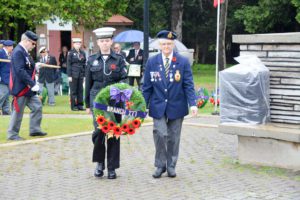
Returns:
(70,79)
(194,111)
(38,65)
(35,88)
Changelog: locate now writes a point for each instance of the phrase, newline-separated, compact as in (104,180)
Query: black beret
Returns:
(8,43)
(31,35)
(166,35)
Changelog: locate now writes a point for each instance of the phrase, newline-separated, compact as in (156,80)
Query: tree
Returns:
(268,16)
(176,17)
(20,14)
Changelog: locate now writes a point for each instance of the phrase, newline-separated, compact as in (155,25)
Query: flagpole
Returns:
(217,62)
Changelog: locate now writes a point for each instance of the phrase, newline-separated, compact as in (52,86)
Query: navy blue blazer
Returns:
(169,97)
(4,68)
(22,68)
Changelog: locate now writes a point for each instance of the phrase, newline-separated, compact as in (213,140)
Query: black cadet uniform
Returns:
(76,63)
(100,74)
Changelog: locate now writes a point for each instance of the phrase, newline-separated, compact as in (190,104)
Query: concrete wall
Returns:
(281,54)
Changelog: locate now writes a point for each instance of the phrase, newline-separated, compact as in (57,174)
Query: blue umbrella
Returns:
(130,36)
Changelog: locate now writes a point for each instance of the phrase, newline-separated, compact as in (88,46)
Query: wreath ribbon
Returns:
(120,95)
(139,114)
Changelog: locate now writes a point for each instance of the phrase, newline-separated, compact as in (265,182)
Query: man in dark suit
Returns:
(118,50)
(168,90)
(5,53)
(47,75)
(23,87)
(76,63)
(135,56)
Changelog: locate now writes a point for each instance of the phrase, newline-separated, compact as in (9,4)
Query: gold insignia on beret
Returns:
(170,35)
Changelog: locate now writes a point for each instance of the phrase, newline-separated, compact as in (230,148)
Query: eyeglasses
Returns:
(32,42)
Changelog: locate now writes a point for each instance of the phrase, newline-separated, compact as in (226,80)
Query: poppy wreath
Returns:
(122,99)
(202,97)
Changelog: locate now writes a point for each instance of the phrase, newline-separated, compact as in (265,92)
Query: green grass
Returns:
(204,76)
(53,126)
(62,106)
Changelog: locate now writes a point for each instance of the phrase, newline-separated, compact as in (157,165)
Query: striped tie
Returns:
(167,67)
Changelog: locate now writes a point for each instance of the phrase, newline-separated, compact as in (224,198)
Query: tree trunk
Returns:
(176,17)
(222,35)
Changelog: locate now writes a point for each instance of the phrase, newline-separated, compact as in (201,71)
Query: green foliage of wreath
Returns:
(103,97)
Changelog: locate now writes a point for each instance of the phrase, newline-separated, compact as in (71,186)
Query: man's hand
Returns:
(70,79)
(38,65)
(35,88)
(194,111)
(88,110)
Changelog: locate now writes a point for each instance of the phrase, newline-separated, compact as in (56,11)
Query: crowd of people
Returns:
(168,90)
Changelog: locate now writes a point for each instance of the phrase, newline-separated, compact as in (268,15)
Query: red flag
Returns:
(216,3)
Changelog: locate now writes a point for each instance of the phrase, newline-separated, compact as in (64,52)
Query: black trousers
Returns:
(138,80)
(100,150)
(76,86)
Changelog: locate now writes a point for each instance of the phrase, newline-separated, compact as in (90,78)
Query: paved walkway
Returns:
(207,169)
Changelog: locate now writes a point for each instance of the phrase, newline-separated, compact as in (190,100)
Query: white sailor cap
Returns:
(105,32)
(74,40)
(42,49)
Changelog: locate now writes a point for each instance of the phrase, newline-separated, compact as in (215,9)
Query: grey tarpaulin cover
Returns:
(244,92)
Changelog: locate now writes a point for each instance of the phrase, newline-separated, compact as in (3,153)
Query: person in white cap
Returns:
(47,75)
(76,63)
(104,68)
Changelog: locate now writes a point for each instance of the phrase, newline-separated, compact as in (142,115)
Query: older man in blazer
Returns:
(169,91)
(47,75)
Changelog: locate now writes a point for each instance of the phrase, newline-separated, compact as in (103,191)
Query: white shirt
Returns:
(23,47)
(170,58)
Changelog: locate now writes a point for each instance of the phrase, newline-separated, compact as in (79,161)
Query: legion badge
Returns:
(177,76)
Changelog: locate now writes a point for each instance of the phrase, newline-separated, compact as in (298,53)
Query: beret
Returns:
(166,35)
(31,35)
(8,43)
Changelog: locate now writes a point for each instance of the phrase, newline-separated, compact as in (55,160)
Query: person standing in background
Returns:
(76,62)
(135,56)
(5,53)
(47,75)
(63,59)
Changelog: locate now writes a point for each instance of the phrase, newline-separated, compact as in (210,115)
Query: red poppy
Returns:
(117,130)
(129,104)
(101,120)
(174,59)
(131,131)
(211,100)
(105,129)
(111,125)
(136,123)
(113,66)
(124,127)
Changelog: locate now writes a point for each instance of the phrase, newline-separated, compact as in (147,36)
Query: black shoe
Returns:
(80,108)
(38,134)
(99,170)
(111,174)
(74,109)
(158,172)
(16,138)
(171,172)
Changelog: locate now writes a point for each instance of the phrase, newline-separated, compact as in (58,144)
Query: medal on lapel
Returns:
(171,76)
(177,76)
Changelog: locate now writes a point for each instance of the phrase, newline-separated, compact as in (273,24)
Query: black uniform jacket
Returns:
(101,73)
